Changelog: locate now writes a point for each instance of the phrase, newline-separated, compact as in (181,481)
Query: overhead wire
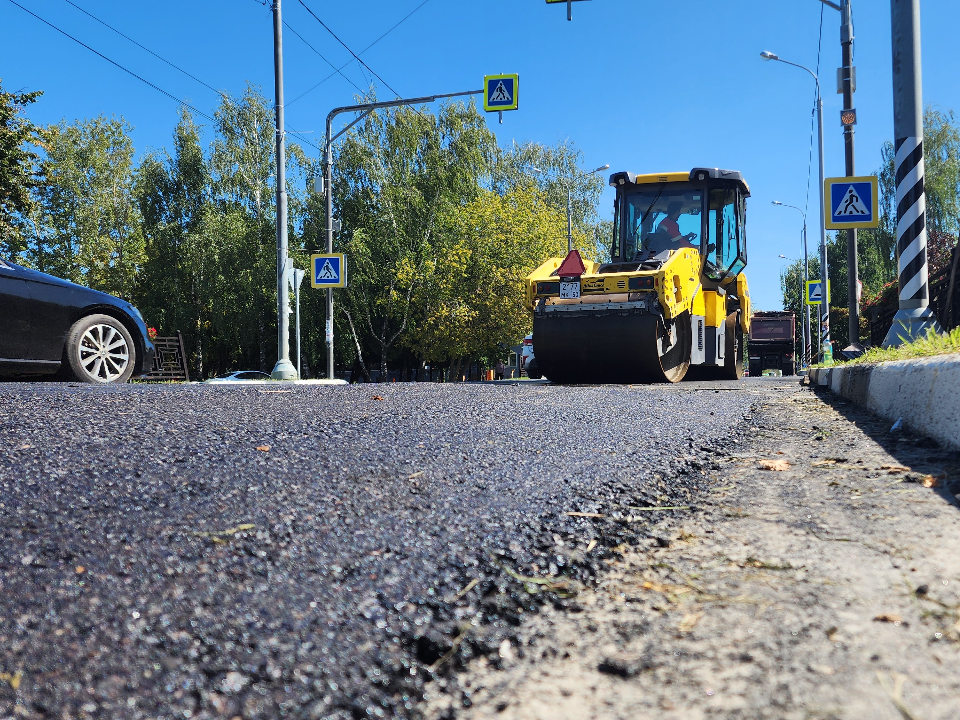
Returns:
(115,63)
(347,48)
(814,113)
(146,49)
(394,27)
(336,70)
(222,94)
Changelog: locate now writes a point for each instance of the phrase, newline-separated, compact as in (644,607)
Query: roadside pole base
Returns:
(910,324)
(852,352)
(284,370)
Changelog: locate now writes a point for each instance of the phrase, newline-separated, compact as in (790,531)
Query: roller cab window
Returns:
(726,243)
(655,219)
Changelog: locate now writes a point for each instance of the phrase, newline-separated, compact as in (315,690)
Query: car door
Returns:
(15,313)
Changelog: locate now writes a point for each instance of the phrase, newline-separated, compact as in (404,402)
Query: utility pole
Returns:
(914,317)
(283,370)
(847,80)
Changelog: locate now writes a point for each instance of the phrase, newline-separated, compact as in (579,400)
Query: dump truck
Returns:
(672,301)
(772,342)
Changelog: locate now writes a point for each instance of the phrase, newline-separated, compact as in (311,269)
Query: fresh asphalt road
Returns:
(155,563)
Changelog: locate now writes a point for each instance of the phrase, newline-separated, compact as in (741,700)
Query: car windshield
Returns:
(660,218)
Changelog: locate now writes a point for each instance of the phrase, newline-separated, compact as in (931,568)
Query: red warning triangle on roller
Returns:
(572,266)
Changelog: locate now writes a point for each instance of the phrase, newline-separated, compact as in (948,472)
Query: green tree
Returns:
(18,168)
(89,224)
(555,169)
(173,193)
(475,281)
(397,173)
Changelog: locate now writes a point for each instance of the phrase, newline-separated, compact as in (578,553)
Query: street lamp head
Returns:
(784,257)
(776,202)
(599,169)
(767,55)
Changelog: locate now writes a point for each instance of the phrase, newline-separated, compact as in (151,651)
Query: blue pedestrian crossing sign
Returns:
(815,292)
(328,271)
(500,92)
(851,203)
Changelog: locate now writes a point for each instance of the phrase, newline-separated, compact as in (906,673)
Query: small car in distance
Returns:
(50,326)
(241,376)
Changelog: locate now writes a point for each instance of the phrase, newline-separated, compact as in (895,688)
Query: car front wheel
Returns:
(100,350)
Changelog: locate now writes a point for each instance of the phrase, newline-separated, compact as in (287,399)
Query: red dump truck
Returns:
(772,342)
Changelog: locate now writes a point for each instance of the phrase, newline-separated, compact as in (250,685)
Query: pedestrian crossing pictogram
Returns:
(501,94)
(851,205)
(327,272)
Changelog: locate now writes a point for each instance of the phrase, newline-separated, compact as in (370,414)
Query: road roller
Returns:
(672,302)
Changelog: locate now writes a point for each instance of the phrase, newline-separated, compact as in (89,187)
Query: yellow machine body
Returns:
(655,312)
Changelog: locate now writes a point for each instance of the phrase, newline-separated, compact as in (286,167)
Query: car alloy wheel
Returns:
(104,353)
(100,350)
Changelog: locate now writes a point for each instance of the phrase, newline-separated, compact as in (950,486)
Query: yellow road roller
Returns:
(673,300)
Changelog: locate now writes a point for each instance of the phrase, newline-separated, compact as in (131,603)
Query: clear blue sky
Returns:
(645,86)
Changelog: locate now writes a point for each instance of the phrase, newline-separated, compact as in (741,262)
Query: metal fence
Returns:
(170,360)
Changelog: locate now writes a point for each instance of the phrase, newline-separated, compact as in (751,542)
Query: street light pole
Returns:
(807,343)
(364,110)
(283,370)
(568,183)
(914,317)
(824,268)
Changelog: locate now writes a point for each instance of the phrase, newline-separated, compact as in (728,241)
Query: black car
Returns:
(51,326)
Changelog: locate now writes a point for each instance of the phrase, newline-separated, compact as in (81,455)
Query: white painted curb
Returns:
(924,392)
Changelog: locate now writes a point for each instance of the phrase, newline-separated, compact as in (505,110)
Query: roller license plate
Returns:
(570,290)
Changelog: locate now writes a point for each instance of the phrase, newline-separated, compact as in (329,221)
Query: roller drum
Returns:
(611,347)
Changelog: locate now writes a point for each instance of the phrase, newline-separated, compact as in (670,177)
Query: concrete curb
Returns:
(924,392)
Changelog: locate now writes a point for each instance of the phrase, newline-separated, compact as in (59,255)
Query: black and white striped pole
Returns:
(914,318)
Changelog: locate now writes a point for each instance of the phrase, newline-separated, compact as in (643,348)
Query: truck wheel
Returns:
(787,369)
(733,357)
(533,372)
(99,349)
(756,369)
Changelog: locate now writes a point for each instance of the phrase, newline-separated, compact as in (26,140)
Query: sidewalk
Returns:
(829,588)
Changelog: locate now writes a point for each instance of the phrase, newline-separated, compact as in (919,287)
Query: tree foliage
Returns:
(88,226)
(19,174)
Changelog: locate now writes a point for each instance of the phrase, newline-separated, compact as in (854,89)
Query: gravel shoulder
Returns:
(828,588)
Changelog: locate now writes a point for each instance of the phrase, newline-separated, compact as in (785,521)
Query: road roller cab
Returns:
(672,302)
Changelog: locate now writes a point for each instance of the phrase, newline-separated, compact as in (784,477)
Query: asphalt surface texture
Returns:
(316,552)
